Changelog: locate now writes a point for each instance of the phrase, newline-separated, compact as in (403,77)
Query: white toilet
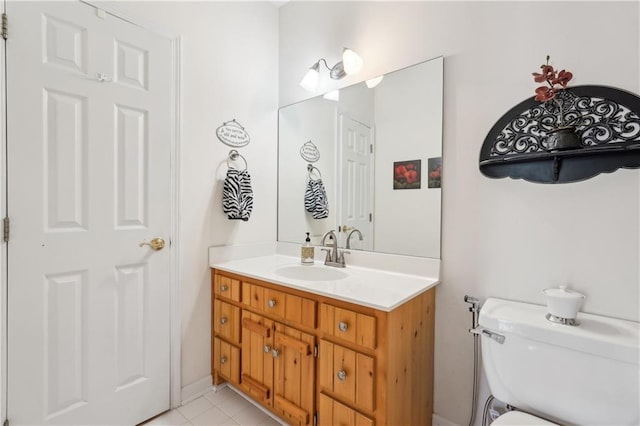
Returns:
(582,375)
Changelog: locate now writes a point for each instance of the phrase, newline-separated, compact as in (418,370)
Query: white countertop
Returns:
(374,288)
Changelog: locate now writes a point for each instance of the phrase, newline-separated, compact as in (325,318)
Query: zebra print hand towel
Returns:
(315,199)
(237,195)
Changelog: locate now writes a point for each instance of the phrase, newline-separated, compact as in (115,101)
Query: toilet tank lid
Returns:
(598,335)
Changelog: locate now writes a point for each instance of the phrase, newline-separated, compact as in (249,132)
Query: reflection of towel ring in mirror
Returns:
(311,168)
(233,156)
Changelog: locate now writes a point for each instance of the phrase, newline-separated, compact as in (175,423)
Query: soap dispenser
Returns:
(307,252)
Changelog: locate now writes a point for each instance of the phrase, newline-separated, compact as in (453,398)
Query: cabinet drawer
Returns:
(291,308)
(226,360)
(331,413)
(347,374)
(348,325)
(226,321)
(226,287)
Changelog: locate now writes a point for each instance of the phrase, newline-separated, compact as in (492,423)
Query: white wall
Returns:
(502,237)
(229,70)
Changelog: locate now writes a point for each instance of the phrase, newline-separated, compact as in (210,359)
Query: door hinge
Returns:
(5,29)
(370,217)
(5,231)
(315,419)
(315,351)
(371,148)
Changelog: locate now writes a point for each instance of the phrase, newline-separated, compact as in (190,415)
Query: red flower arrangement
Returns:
(556,81)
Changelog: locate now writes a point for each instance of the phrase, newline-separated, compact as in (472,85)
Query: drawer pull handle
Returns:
(275,353)
(224,287)
(272,303)
(267,349)
(223,360)
(343,326)
(223,320)
(342,375)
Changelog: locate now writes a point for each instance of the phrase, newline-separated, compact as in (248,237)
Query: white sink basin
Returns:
(311,273)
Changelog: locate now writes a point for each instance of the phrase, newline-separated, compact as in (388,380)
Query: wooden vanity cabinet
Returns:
(313,359)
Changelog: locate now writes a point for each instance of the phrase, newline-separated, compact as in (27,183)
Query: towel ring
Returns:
(311,168)
(233,156)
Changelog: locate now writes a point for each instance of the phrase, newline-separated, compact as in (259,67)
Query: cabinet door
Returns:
(294,375)
(257,357)
(226,287)
(333,413)
(348,325)
(226,321)
(226,360)
(348,374)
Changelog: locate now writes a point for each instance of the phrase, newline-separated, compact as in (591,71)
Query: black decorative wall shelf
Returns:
(606,119)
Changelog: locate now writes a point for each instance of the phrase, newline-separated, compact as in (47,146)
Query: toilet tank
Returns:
(586,374)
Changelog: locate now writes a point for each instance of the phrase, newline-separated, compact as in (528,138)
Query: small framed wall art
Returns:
(407,174)
(435,172)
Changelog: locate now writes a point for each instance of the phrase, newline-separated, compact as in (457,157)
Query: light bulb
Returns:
(334,95)
(310,80)
(351,61)
(373,82)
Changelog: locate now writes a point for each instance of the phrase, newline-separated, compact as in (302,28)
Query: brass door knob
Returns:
(155,244)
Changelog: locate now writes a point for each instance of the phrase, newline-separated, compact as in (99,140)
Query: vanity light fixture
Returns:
(351,63)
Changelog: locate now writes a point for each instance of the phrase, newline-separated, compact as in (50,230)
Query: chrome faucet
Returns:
(350,234)
(334,256)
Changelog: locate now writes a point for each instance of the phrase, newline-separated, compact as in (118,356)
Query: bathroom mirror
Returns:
(379,156)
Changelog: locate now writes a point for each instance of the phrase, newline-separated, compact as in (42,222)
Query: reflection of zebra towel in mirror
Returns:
(315,199)
(237,195)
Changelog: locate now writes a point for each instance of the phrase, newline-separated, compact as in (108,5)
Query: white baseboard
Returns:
(196,389)
(441,421)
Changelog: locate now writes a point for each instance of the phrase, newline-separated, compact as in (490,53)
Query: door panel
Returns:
(88,141)
(131,167)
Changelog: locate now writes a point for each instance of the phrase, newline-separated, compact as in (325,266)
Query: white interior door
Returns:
(356,143)
(88,137)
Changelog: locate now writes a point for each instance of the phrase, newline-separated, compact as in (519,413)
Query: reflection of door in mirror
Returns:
(356,149)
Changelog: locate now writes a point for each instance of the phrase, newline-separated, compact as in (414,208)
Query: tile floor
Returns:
(221,407)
